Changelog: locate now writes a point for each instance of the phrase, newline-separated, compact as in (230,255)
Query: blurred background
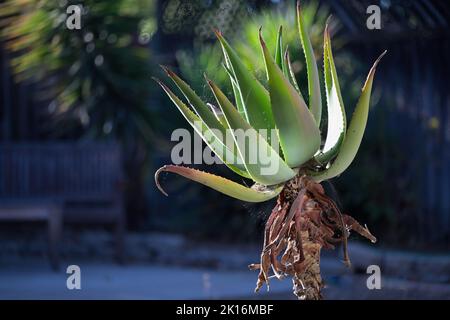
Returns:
(83,129)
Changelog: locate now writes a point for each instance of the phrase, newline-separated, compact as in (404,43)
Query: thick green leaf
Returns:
(315,98)
(236,91)
(262,162)
(355,132)
(254,97)
(235,86)
(230,188)
(279,49)
(291,74)
(230,158)
(298,132)
(213,123)
(279,56)
(335,105)
(200,107)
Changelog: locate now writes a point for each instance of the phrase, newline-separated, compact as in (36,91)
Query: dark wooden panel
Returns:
(66,170)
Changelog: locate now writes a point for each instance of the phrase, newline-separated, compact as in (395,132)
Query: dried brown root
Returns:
(304,220)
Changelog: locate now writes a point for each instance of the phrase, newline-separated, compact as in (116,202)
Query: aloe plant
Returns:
(305,219)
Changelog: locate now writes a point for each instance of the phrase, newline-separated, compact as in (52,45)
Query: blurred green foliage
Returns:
(207,57)
(95,79)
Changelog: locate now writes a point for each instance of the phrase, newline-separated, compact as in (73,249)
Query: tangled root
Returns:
(303,221)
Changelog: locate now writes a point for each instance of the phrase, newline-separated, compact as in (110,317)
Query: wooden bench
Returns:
(63,183)
(37,210)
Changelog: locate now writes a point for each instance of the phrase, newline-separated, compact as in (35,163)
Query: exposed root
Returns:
(303,221)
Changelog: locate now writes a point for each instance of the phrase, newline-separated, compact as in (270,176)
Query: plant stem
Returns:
(303,221)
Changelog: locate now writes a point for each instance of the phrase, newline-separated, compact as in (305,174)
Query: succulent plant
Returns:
(304,219)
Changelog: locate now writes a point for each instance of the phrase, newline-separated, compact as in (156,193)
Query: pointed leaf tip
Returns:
(315,97)
(165,69)
(327,23)
(158,185)
(162,84)
(261,40)
(205,76)
(279,50)
(217,32)
(207,79)
(156,80)
(373,69)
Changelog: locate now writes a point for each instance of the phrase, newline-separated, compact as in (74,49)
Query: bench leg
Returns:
(54,238)
(120,240)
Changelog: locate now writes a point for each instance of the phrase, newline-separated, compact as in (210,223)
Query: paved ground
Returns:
(169,267)
(34,280)
(109,281)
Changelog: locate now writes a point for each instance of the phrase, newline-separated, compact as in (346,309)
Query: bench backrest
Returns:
(70,171)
